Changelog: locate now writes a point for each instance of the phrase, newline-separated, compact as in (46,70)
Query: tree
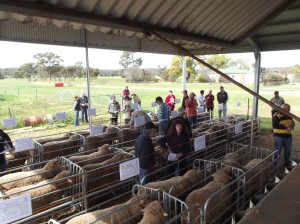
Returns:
(240,63)
(127,59)
(219,61)
(25,71)
(49,63)
(2,76)
(175,69)
(296,70)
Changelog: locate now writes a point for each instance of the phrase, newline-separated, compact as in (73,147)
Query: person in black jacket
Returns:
(144,150)
(177,143)
(184,98)
(84,105)
(76,109)
(222,98)
(4,139)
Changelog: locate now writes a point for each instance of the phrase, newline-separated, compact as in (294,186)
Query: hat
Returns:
(149,125)
(112,96)
(184,91)
(221,87)
(276,92)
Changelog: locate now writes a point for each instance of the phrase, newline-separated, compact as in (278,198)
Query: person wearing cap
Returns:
(277,100)
(144,150)
(282,126)
(222,98)
(162,115)
(177,143)
(184,98)
(170,100)
(191,110)
(127,109)
(113,108)
(4,139)
(201,100)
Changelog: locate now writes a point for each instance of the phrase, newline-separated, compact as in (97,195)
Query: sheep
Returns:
(124,213)
(153,214)
(41,193)
(200,196)
(95,157)
(24,178)
(51,150)
(93,142)
(233,159)
(15,159)
(130,134)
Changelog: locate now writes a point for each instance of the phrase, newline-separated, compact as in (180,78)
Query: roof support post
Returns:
(257,56)
(183,73)
(87,73)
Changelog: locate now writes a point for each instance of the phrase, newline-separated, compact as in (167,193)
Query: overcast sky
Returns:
(14,54)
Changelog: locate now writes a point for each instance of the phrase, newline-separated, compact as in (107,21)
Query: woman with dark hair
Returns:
(177,143)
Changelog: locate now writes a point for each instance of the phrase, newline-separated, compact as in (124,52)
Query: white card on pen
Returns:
(139,121)
(129,169)
(91,112)
(10,122)
(238,103)
(238,128)
(135,106)
(199,143)
(22,144)
(153,104)
(61,116)
(96,130)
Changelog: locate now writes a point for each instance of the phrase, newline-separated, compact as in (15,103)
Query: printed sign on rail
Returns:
(96,130)
(91,112)
(61,116)
(129,169)
(22,144)
(10,122)
(199,143)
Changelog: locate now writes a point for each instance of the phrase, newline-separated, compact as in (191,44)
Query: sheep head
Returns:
(52,164)
(221,175)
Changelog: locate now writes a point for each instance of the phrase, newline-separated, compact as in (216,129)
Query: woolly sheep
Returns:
(153,214)
(200,196)
(15,159)
(109,136)
(24,178)
(41,193)
(95,157)
(233,159)
(125,212)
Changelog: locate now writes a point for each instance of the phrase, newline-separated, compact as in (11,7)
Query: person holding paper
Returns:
(4,139)
(162,115)
(113,109)
(177,143)
(127,110)
(84,104)
(191,110)
(170,100)
(222,98)
(209,102)
(144,150)
(76,109)
(201,100)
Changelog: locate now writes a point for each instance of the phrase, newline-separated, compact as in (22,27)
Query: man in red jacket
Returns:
(170,100)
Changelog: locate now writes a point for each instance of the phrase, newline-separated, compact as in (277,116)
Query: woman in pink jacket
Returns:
(191,110)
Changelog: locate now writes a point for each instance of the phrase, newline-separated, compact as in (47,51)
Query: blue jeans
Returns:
(224,111)
(76,117)
(143,173)
(84,114)
(163,126)
(286,144)
(193,121)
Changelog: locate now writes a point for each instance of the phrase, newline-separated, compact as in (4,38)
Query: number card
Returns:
(61,116)
(238,128)
(173,114)
(200,110)
(139,121)
(129,169)
(96,130)
(177,100)
(10,122)
(15,208)
(22,144)
(135,106)
(199,143)
(91,112)
(238,103)
(153,104)
(220,106)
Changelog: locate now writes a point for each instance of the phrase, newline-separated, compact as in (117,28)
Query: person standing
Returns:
(127,110)
(282,126)
(162,115)
(191,110)
(201,100)
(277,100)
(184,98)
(113,109)
(222,98)
(137,100)
(4,139)
(177,143)
(170,100)
(125,92)
(209,102)
(76,109)
(84,104)
(144,150)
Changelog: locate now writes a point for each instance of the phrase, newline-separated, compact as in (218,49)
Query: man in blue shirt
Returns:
(162,115)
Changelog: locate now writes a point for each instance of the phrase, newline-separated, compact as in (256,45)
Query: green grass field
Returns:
(24,98)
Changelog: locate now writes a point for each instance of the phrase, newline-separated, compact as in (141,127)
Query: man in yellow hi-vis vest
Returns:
(282,126)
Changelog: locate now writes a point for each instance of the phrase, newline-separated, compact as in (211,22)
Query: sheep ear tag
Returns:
(165,214)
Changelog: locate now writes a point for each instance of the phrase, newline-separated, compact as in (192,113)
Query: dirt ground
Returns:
(267,141)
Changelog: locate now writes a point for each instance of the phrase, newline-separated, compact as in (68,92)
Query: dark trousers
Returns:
(114,121)
(84,114)
(181,165)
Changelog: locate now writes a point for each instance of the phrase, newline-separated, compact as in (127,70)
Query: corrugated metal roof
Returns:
(198,25)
